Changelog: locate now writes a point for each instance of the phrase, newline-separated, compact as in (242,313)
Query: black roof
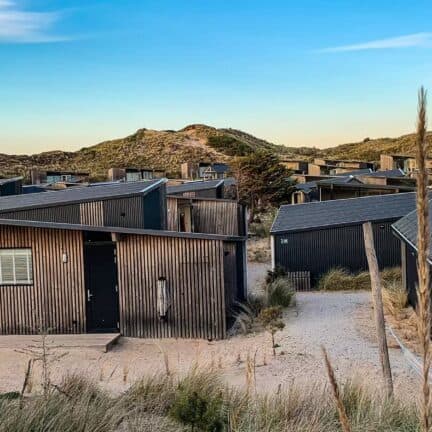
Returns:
(407,227)
(361,171)
(195,186)
(325,214)
(120,230)
(387,173)
(340,180)
(77,194)
(10,180)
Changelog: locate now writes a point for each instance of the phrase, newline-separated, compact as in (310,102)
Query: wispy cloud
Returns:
(413,40)
(21,26)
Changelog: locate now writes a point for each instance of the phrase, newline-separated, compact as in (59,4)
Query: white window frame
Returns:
(15,252)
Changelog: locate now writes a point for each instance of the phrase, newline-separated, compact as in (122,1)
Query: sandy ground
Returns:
(340,321)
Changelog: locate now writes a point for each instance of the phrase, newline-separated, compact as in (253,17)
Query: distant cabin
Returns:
(134,174)
(11,186)
(316,237)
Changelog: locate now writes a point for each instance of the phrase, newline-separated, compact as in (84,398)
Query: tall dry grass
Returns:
(423,233)
(152,404)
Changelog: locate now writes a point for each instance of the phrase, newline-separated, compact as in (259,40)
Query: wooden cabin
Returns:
(134,174)
(76,278)
(206,215)
(318,236)
(11,186)
(130,205)
(42,177)
(405,230)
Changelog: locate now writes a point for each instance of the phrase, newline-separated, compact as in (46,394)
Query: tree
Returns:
(262,181)
(271,319)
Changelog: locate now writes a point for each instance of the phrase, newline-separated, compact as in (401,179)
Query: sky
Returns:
(311,72)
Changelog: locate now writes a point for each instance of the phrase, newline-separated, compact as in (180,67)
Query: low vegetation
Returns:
(278,293)
(340,279)
(201,402)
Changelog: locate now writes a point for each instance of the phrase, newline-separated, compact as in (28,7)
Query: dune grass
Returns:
(340,279)
(202,402)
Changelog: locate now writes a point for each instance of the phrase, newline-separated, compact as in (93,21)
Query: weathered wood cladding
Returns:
(194,270)
(91,213)
(120,212)
(55,300)
(209,216)
(319,250)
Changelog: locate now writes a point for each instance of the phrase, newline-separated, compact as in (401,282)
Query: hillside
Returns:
(370,149)
(164,150)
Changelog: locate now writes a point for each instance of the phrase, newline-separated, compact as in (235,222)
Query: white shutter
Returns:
(16,266)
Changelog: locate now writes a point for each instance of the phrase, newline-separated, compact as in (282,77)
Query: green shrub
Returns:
(201,412)
(272,275)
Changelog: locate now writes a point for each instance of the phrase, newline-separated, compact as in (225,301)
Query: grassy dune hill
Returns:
(164,150)
(370,149)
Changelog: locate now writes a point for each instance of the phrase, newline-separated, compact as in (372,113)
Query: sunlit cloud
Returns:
(413,40)
(21,26)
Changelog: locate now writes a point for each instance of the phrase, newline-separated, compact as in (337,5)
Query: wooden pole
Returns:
(378,306)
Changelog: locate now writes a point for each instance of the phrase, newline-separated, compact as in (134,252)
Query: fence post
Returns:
(378,306)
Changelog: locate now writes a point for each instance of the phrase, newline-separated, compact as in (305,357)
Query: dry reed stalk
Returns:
(343,418)
(423,233)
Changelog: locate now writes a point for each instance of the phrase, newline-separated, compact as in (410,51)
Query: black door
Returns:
(101,287)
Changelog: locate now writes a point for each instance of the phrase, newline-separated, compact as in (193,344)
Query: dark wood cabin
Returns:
(11,186)
(316,237)
(206,215)
(74,278)
(405,230)
(129,205)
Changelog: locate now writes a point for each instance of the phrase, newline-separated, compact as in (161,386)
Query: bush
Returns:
(199,411)
(340,279)
(272,275)
(280,292)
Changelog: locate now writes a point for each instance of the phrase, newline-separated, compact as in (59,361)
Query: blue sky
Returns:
(315,72)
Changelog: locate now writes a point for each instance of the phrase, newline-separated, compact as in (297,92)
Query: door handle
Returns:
(89,295)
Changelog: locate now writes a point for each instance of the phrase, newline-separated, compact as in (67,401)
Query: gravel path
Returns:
(342,322)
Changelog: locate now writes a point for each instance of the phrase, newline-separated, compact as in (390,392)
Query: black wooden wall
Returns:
(320,250)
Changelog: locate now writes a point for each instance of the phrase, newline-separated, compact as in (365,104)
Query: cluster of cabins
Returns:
(143,258)
(151,257)
(326,179)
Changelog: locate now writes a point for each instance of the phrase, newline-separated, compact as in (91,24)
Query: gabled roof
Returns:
(325,214)
(77,194)
(195,186)
(10,180)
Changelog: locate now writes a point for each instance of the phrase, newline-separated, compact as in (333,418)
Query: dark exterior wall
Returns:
(56,299)
(155,209)
(194,271)
(124,212)
(318,251)
(11,188)
(327,194)
(61,214)
(411,276)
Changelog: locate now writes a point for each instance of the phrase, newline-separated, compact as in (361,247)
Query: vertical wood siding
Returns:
(194,270)
(91,213)
(61,214)
(209,216)
(55,300)
(317,251)
(124,212)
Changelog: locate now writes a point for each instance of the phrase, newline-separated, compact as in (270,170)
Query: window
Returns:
(16,267)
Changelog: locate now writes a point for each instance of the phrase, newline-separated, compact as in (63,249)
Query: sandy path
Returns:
(340,321)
